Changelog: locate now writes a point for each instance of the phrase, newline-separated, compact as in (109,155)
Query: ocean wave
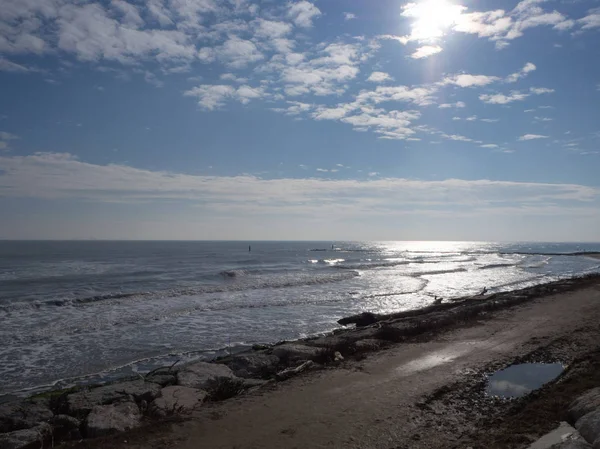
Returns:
(497,265)
(433,272)
(257,283)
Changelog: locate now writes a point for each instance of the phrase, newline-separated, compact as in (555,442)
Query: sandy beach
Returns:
(426,392)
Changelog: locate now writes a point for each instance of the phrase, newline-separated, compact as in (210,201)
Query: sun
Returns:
(432,18)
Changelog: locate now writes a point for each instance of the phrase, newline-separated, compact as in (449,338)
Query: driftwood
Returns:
(290,372)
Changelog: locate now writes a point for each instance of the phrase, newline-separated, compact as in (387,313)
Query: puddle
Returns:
(518,380)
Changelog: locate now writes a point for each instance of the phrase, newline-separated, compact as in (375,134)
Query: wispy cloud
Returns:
(532,137)
(514,77)
(349,16)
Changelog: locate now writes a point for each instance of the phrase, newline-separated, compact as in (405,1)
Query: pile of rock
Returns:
(584,415)
(125,405)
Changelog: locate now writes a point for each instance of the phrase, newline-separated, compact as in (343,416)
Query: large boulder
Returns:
(200,375)
(584,404)
(178,400)
(112,418)
(291,352)
(22,415)
(369,344)
(589,426)
(26,438)
(162,379)
(362,319)
(83,401)
(253,365)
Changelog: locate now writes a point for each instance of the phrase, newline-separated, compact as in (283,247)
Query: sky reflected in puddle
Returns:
(518,380)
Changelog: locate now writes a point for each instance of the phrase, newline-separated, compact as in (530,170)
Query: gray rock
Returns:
(199,375)
(369,344)
(294,352)
(22,415)
(66,427)
(584,404)
(589,426)
(253,365)
(162,379)
(112,418)
(178,399)
(83,401)
(596,444)
(26,438)
(571,444)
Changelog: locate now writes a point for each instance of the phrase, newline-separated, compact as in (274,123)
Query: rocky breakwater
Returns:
(91,412)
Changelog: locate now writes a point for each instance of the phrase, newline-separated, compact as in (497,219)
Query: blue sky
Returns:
(237,119)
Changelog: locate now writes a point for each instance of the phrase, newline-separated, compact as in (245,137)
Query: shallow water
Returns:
(519,380)
(102,309)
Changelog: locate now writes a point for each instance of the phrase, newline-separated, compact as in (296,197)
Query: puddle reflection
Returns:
(518,380)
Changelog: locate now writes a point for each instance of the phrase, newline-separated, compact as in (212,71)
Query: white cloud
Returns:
(489,145)
(458,104)
(271,29)
(471,118)
(420,95)
(62,176)
(131,14)
(592,20)
(302,13)
(490,120)
(379,77)
(541,90)
(457,137)
(532,137)
(238,53)
(467,80)
(543,119)
(513,78)
(214,96)
(503,99)
(349,16)
(426,51)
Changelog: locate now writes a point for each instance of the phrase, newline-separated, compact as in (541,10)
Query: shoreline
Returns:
(499,300)
(268,366)
(424,393)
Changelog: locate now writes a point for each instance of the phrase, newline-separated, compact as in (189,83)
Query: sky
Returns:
(318,120)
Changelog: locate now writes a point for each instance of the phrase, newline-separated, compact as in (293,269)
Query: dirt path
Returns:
(372,404)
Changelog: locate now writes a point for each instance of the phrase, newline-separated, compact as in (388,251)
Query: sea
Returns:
(79,312)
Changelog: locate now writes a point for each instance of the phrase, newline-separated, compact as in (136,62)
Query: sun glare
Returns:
(432,18)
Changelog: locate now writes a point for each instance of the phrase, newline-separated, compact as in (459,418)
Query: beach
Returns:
(426,391)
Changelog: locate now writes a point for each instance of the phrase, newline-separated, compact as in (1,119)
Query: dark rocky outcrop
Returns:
(589,426)
(252,364)
(26,438)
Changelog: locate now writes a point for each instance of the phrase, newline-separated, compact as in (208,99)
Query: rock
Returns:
(596,444)
(290,372)
(66,427)
(253,365)
(362,319)
(337,356)
(589,426)
(369,344)
(112,418)
(26,438)
(199,375)
(162,379)
(584,404)
(83,401)
(22,415)
(177,399)
(293,352)
(571,444)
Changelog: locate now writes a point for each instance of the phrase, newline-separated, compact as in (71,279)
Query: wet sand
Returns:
(426,392)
